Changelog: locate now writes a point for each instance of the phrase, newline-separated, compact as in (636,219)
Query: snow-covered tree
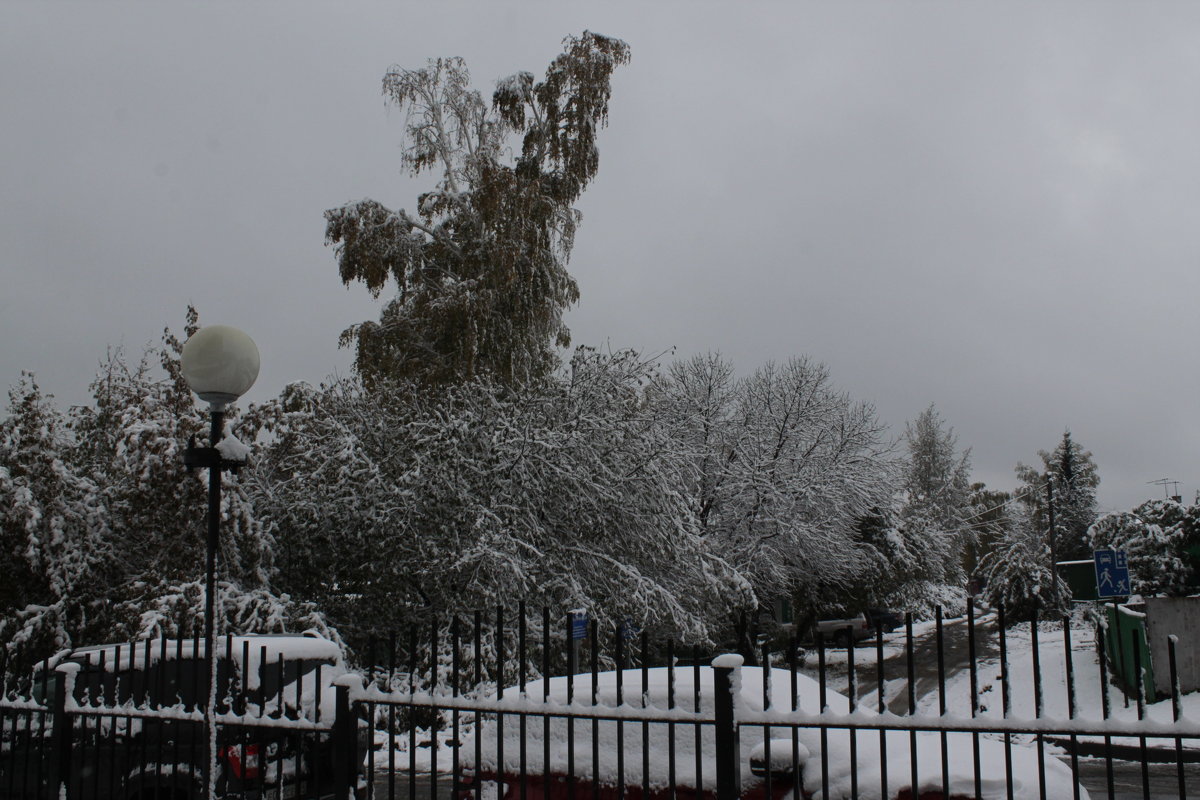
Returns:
(1156,537)
(985,525)
(936,489)
(561,492)
(779,468)
(131,440)
(936,496)
(1073,477)
(1019,572)
(104,530)
(52,524)
(480,267)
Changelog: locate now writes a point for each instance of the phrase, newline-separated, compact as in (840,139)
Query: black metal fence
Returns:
(131,721)
(535,706)
(965,707)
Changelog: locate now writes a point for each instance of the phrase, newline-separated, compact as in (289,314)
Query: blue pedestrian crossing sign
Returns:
(1112,573)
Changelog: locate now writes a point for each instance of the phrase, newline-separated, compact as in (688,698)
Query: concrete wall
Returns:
(1179,616)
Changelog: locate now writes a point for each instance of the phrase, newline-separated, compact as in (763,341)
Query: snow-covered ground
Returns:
(1052,666)
(1023,698)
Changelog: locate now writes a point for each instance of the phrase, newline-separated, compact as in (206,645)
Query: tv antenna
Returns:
(1165,482)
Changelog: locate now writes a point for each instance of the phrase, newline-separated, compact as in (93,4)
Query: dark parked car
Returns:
(884,619)
(276,703)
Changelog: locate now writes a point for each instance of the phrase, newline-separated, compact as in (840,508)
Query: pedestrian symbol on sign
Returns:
(1112,573)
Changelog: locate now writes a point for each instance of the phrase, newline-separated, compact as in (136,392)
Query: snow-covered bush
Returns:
(561,492)
(102,525)
(1155,537)
(1019,572)
(776,470)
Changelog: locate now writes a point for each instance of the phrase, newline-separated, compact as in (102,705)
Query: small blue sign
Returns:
(579,624)
(1112,573)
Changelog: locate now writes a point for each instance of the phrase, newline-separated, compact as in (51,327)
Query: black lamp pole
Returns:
(219,363)
(210,458)
(214,535)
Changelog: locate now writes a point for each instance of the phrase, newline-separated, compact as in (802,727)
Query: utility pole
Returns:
(1054,542)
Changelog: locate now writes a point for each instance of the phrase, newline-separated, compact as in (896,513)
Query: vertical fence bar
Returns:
(1070,667)
(1005,698)
(343,735)
(824,701)
(728,752)
(1036,653)
(412,726)
(97,722)
(435,711)
(671,725)
(974,670)
(477,653)
(696,707)
(110,699)
(1105,704)
(455,720)
(911,688)
(498,637)
(391,729)
(145,700)
(523,718)
(1135,648)
(766,701)
(645,725)
(1176,712)
(594,642)
(794,664)
(316,766)
(243,710)
(881,684)
(941,668)
(61,736)
(545,691)
(852,693)
(570,654)
(618,646)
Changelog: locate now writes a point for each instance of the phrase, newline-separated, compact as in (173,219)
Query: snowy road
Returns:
(1127,782)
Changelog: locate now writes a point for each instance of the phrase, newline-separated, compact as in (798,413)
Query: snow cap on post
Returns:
(220,364)
(728,661)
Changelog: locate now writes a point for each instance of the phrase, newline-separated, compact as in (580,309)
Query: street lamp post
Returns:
(220,364)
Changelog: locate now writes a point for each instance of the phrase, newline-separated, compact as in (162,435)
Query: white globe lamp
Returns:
(220,364)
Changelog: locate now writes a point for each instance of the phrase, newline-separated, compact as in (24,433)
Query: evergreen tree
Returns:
(1019,572)
(1159,538)
(481,266)
(1072,476)
(985,526)
(53,536)
(937,493)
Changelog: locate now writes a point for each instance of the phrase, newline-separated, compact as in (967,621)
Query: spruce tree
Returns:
(1068,479)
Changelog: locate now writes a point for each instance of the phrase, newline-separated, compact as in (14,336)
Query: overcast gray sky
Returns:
(992,207)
